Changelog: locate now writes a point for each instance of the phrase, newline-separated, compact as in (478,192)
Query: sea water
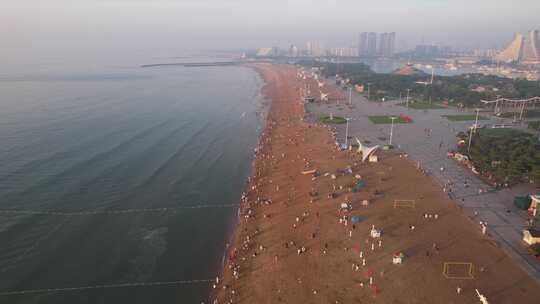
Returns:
(97,167)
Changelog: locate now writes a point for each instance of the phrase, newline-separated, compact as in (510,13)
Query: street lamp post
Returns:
(350,95)
(521,112)
(471,132)
(408,91)
(476,120)
(391,130)
(347,133)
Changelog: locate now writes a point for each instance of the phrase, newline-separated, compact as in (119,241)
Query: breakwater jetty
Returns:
(193,64)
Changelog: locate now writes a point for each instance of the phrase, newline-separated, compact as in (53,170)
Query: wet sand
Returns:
(294,245)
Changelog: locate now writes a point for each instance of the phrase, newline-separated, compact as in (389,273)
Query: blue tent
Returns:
(359,186)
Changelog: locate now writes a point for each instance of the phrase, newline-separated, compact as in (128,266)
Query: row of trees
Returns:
(509,157)
(467,89)
(534,125)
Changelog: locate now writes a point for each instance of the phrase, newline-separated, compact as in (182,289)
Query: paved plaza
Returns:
(427,141)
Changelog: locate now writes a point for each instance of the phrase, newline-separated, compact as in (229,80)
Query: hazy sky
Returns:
(101,27)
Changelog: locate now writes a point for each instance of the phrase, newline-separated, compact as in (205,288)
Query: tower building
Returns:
(523,49)
(372,44)
(363,44)
(387,43)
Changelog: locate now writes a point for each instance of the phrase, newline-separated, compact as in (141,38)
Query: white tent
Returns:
(366,151)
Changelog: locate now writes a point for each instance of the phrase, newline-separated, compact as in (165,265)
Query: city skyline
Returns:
(165,27)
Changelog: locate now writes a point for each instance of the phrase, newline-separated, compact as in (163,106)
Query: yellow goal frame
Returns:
(447,265)
(404,203)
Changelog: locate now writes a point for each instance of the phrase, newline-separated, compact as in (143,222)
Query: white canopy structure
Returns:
(501,103)
(366,151)
(324,97)
(531,100)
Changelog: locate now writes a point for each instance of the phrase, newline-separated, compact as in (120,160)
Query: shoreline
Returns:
(251,180)
(266,104)
(293,244)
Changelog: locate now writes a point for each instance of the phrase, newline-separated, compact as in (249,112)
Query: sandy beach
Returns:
(295,244)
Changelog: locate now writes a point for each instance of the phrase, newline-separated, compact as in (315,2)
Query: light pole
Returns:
(471,133)
(392,130)
(350,95)
(408,91)
(347,133)
(521,112)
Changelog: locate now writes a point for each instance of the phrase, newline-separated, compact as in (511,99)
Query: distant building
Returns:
(382,44)
(264,52)
(426,50)
(489,53)
(523,49)
(409,70)
(363,44)
(531,49)
(387,43)
(513,51)
(391,44)
(309,48)
(372,44)
(293,51)
(446,50)
(369,45)
(344,52)
(313,49)
(268,52)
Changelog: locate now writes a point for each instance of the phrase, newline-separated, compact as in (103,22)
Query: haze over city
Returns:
(112,27)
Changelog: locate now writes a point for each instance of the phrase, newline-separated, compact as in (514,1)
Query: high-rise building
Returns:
(367,44)
(426,51)
(512,52)
(531,49)
(523,49)
(363,44)
(372,44)
(314,49)
(317,49)
(293,51)
(383,38)
(344,51)
(387,43)
(391,46)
